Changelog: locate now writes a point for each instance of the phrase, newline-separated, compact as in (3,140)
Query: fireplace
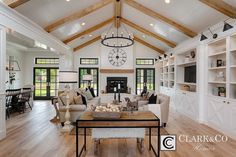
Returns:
(114,81)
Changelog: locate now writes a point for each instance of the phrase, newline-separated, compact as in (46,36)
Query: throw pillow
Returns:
(88,95)
(78,100)
(92,91)
(152,99)
(149,94)
(84,101)
(63,100)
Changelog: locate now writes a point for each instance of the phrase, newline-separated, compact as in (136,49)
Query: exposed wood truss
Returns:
(158,37)
(77,15)
(158,16)
(94,28)
(17,3)
(221,6)
(87,43)
(149,45)
(117,12)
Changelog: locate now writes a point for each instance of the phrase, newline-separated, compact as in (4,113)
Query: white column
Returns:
(2,82)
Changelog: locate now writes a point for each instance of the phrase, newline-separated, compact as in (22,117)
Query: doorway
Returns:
(46,83)
(145,75)
(94,83)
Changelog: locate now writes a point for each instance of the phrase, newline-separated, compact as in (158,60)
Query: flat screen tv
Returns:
(190,74)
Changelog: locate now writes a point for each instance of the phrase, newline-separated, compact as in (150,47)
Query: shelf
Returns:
(186,83)
(172,80)
(233,50)
(187,63)
(171,72)
(217,68)
(216,82)
(234,83)
(217,54)
(216,96)
(233,66)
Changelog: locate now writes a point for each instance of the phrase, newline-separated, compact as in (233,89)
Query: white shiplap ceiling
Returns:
(192,14)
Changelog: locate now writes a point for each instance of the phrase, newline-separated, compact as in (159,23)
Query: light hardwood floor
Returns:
(33,135)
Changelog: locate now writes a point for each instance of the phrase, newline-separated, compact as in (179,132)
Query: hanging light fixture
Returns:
(203,37)
(227,26)
(117,37)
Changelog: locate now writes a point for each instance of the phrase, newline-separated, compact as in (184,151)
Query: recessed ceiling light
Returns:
(90,35)
(151,24)
(167,1)
(68,0)
(83,23)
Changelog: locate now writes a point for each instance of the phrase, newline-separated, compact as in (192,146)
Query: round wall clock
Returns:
(117,57)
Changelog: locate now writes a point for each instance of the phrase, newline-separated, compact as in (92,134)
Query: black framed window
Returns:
(46,60)
(145,75)
(89,61)
(144,61)
(94,82)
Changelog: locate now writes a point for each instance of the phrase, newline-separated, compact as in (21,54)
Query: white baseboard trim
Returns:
(2,135)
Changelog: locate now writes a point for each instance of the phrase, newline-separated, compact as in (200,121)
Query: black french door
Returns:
(46,83)
(94,83)
(145,75)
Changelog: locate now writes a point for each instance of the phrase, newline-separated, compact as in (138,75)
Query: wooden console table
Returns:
(141,119)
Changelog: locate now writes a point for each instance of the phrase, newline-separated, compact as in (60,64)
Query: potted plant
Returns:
(222,91)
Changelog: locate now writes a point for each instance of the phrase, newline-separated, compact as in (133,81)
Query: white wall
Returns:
(19,77)
(95,50)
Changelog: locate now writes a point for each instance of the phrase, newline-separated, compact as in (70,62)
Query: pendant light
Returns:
(227,26)
(203,37)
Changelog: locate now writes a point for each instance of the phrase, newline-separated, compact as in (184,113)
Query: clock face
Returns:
(117,57)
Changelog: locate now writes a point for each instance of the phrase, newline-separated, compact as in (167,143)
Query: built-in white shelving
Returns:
(222,67)
(168,72)
(184,61)
(217,68)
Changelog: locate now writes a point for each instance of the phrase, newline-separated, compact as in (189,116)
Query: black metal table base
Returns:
(156,152)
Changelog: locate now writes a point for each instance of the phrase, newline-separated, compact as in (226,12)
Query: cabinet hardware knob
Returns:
(224,101)
(228,102)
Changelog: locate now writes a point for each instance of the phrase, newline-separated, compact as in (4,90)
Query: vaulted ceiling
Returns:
(154,23)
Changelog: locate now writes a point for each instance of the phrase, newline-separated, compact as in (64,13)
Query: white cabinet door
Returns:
(179,96)
(217,113)
(231,116)
(191,105)
(187,103)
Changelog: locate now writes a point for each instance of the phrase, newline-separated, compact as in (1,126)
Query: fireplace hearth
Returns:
(114,81)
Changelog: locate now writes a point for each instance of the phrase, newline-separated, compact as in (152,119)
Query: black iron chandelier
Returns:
(117,37)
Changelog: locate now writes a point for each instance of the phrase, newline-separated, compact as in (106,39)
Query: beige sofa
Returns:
(75,109)
(160,109)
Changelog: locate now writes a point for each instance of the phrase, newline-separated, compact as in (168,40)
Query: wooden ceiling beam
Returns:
(158,16)
(17,3)
(87,43)
(149,45)
(221,6)
(90,30)
(158,37)
(117,12)
(77,15)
